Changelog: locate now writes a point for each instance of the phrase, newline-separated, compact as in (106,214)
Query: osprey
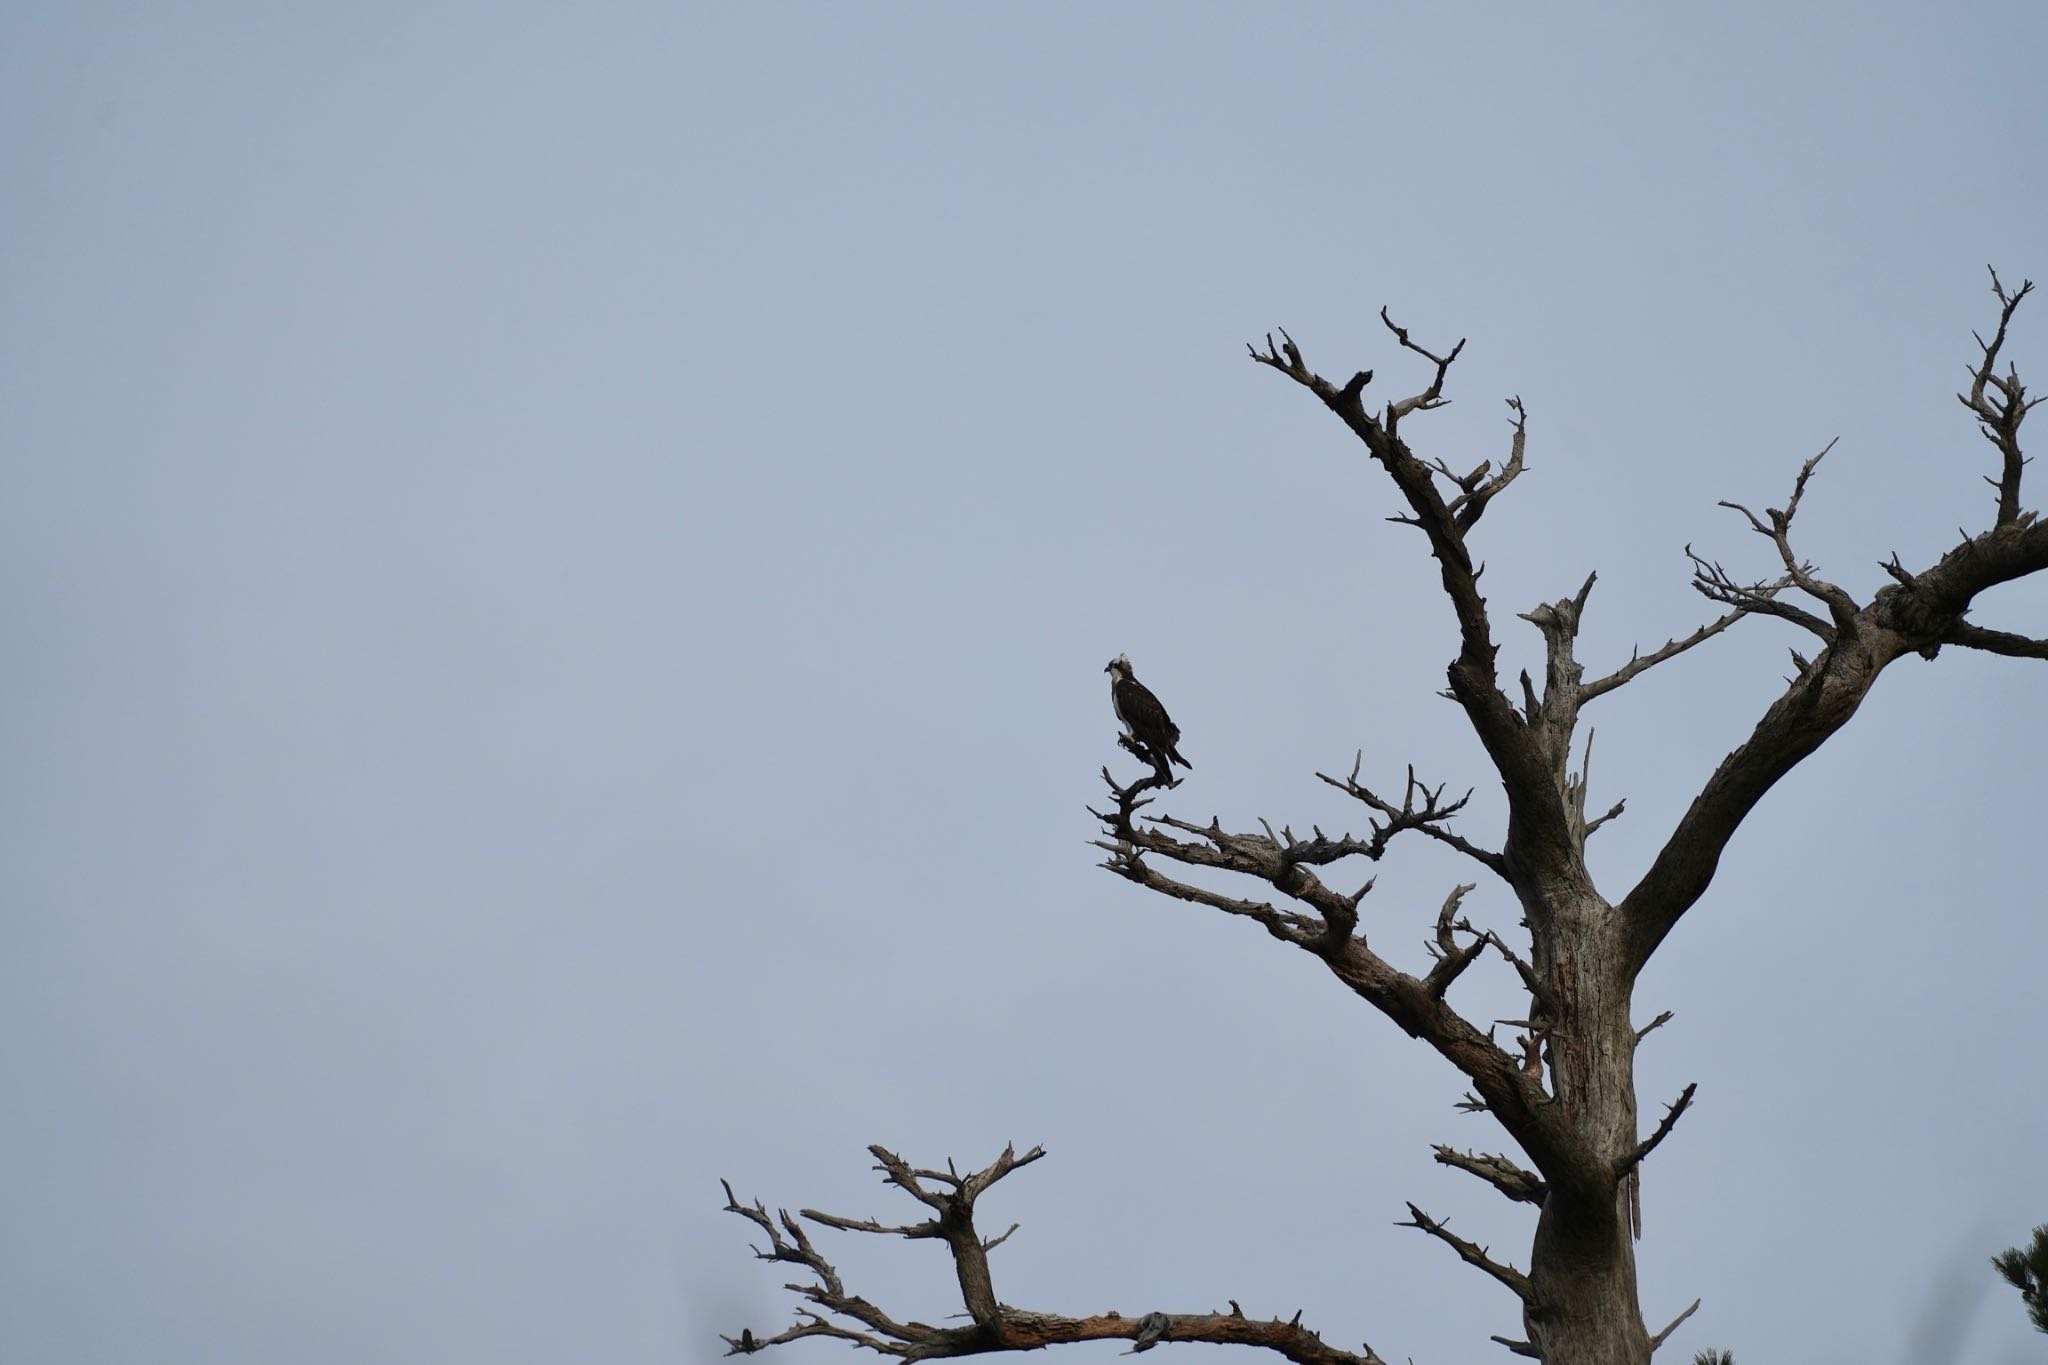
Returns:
(1145,720)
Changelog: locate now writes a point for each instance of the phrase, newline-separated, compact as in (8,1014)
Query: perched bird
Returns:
(1144,719)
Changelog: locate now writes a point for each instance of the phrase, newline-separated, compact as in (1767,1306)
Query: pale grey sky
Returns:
(556,568)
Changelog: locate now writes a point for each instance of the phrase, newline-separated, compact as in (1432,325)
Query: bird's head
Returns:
(1119,667)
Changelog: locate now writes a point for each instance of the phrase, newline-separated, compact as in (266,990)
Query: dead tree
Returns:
(1564,1086)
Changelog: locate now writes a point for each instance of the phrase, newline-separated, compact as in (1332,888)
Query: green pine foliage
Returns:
(2027,1271)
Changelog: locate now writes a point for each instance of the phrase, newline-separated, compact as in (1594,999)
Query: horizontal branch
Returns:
(833,1312)
(1996,642)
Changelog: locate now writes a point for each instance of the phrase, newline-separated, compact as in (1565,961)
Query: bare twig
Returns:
(1672,1326)
(1659,1022)
(1639,663)
(1430,818)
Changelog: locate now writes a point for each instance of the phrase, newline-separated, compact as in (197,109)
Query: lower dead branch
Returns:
(1671,1116)
(788,1242)
(1520,1348)
(1471,1253)
(830,1311)
(1658,1340)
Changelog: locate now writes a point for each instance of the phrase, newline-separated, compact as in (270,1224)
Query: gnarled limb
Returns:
(995,1326)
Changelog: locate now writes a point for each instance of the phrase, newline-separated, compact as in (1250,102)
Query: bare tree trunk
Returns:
(1582,1271)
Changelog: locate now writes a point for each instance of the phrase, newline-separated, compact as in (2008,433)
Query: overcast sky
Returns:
(556,568)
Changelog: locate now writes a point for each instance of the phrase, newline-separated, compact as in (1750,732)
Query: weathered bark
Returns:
(1583,1262)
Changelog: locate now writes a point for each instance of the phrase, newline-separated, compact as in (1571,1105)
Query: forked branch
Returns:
(2000,402)
(1776,525)
(1917,613)
(830,1311)
(1661,1337)
(1431,397)
(1430,817)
